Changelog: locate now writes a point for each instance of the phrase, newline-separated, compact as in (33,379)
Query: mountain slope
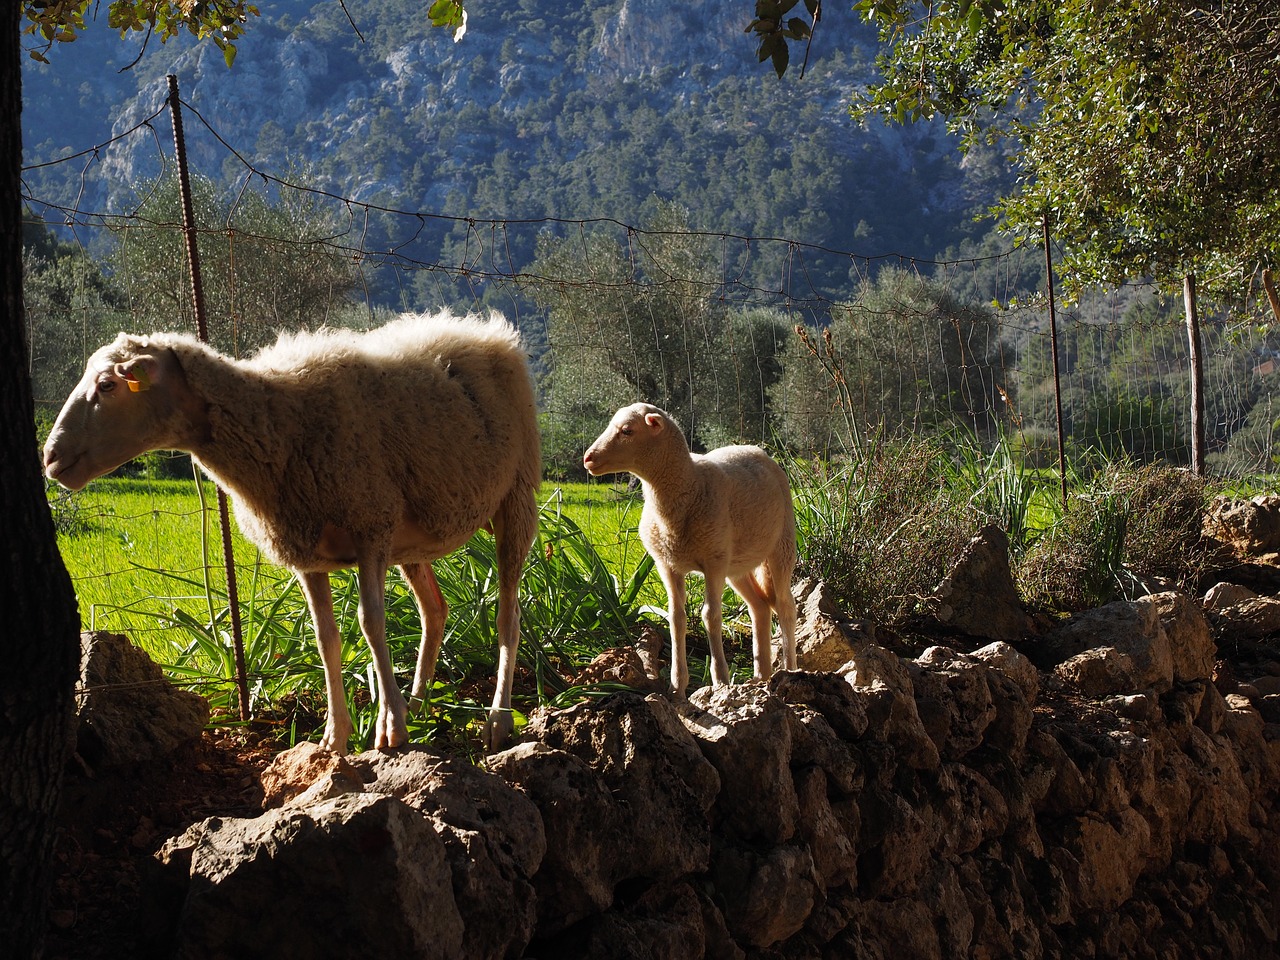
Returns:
(542,110)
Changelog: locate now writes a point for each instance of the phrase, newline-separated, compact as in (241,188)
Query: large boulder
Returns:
(127,710)
(746,734)
(825,639)
(1118,648)
(978,596)
(585,860)
(653,767)
(357,875)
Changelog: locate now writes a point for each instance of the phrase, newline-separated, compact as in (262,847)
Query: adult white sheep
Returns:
(726,514)
(340,449)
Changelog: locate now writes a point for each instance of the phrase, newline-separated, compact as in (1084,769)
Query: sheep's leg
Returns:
(433,609)
(761,623)
(713,620)
(390,729)
(337,724)
(514,527)
(674,582)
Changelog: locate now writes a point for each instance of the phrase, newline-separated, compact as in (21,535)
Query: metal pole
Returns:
(202,330)
(1057,380)
(1197,375)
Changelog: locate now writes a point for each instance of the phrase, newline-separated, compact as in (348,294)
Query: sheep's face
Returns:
(621,447)
(109,419)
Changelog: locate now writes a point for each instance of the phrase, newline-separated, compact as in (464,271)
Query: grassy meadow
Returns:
(146,560)
(881,529)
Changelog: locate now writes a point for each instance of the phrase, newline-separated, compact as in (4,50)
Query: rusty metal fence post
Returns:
(202,330)
(1057,379)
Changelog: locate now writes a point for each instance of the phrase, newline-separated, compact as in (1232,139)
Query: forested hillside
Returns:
(588,110)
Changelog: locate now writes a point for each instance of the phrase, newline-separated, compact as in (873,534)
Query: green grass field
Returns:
(146,560)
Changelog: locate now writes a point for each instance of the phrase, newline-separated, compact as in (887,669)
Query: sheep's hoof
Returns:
(498,730)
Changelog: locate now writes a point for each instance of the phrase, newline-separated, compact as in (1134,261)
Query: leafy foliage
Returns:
(221,22)
(1123,532)
(883,527)
(266,269)
(631,324)
(902,356)
(775,28)
(1126,120)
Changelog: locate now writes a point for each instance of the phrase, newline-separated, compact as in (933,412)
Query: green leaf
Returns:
(781,57)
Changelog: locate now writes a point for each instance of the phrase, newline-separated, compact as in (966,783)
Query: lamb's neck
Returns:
(671,481)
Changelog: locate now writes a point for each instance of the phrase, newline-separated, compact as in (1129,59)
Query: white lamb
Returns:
(341,449)
(727,514)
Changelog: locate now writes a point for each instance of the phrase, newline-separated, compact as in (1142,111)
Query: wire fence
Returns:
(762,339)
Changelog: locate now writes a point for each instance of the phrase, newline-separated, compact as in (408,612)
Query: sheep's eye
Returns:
(106,385)
(625,431)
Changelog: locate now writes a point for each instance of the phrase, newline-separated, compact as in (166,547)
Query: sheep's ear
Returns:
(655,422)
(138,373)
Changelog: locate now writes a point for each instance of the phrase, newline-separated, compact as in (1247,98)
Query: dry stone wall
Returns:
(1104,800)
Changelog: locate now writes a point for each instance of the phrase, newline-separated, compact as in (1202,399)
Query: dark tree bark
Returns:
(39,623)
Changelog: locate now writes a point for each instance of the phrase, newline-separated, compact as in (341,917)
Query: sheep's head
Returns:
(120,409)
(624,444)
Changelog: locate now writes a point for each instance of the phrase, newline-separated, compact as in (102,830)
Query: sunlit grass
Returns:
(881,528)
(146,560)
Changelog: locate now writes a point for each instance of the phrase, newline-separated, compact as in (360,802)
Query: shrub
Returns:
(1127,531)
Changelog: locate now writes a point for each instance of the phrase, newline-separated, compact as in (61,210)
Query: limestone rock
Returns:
(299,770)
(621,665)
(1249,527)
(825,640)
(953,699)
(884,683)
(359,875)
(768,895)
(653,767)
(584,860)
(1119,648)
(746,734)
(127,710)
(1190,638)
(493,836)
(978,596)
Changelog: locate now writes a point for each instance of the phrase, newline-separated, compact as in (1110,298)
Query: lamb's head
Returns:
(631,438)
(125,404)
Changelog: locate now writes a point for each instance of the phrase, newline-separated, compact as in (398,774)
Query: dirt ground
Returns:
(112,823)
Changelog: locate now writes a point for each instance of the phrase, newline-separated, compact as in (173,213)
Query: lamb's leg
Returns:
(713,620)
(337,725)
(784,604)
(514,527)
(390,729)
(433,609)
(761,622)
(674,582)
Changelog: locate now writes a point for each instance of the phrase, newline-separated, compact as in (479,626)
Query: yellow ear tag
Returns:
(139,382)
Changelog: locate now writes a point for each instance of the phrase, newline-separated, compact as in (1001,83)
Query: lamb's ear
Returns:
(139,373)
(655,422)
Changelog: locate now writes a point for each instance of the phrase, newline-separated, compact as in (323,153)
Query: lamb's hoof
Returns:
(498,730)
(334,743)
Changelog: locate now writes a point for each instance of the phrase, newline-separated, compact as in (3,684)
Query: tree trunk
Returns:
(1197,375)
(39,623)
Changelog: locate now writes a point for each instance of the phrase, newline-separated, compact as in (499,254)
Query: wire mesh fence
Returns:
(760,339)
